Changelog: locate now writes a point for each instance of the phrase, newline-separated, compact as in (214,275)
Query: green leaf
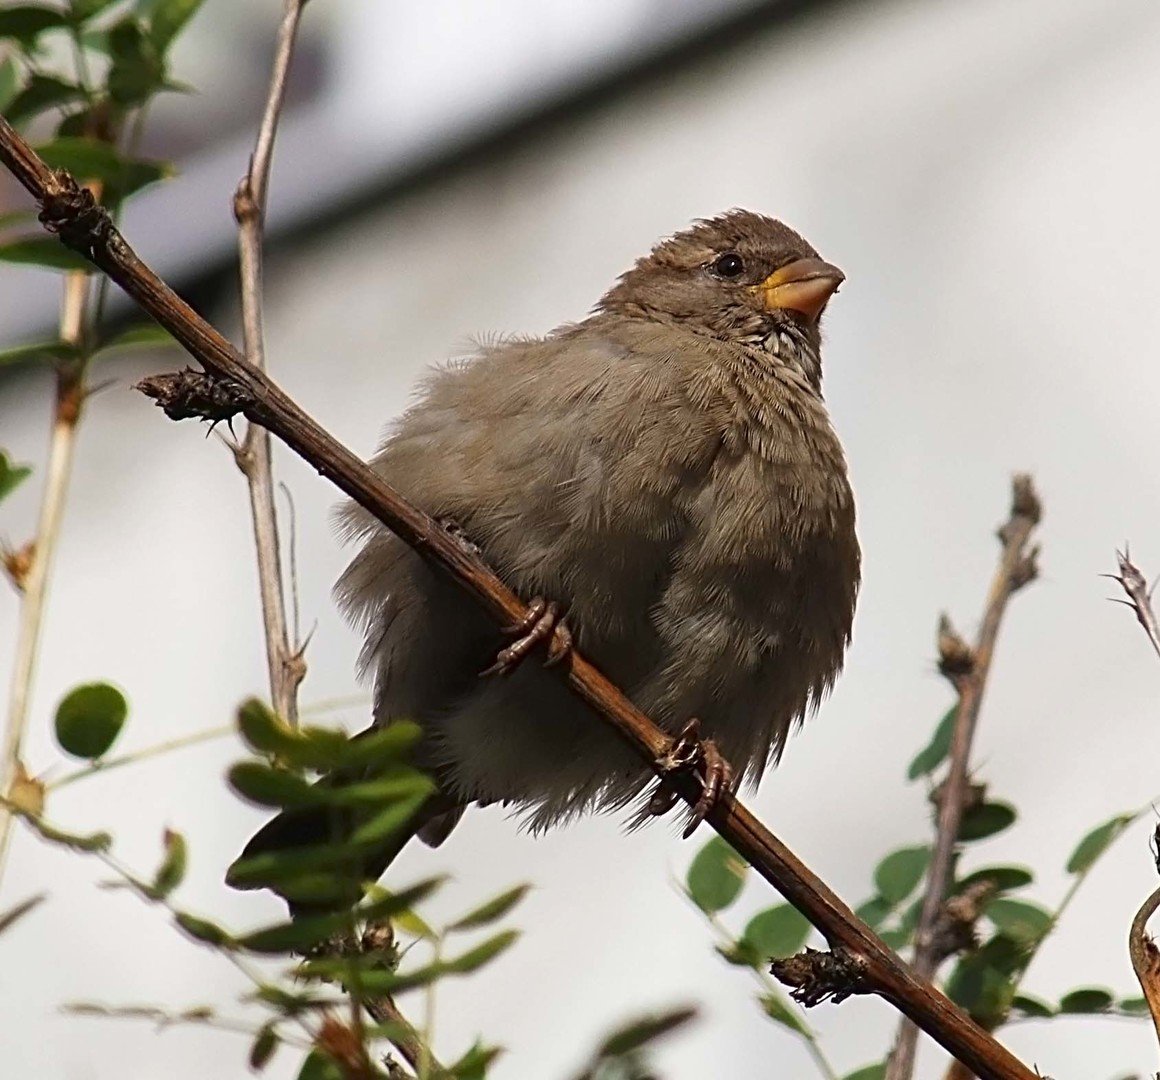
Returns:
(143,335)
(986,819)
(26,22)
(1018,919)
(874,911)
(20,910)
(981,982)
(10,83)
(11,476)
(319,1066)
(92,842)
(381,747)
(1092,846)
(484,953)
(1137,1006)
(493,910)
(89,719)
(741,954)
(308,747)
(40,93)
(168,19)
(92,159)
(778,1009)
(298,933)
(473,1065)
(137,69)
(896,938)
(389,821)
(1027,1005)
(931,756)
(47,352)
(639,1033)
(1087,999)
(876,1071)
(43,251)
(715,876)
(898,875)
(778,931)
(263,1047)
(203,930)
(1004,878)
(171,872)
(266,785)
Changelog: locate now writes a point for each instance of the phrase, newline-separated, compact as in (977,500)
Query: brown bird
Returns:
(666,472)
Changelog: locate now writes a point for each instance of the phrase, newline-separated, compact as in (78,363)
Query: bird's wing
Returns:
(563,460)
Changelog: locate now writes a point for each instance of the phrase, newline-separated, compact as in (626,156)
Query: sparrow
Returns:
(664,479)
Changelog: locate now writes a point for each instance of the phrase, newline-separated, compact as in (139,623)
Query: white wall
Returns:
(986,176)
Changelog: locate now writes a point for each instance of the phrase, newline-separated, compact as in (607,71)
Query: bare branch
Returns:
(287,668)
(33,579)
(66,211)
(1133,582)
(967,669)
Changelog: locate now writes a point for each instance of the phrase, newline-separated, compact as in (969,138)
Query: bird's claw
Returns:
(541,622)
(688,752)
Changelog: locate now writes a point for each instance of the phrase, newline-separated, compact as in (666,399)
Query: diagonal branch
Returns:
(287,668)
(967,668)
(82,226)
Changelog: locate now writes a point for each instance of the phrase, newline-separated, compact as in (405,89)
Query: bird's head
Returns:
(741,277)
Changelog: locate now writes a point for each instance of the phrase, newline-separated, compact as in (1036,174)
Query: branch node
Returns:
(818,976)
(246,209)
(956,659)
(954,931)
(73,213)
(188,393)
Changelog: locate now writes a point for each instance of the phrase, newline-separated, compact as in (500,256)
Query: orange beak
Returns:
(804,286)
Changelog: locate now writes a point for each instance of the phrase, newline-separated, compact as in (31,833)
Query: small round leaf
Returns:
(898,875)
(986,819)
(715,876)
(777,931)
(89,720)
(1087,999)
(1092,846)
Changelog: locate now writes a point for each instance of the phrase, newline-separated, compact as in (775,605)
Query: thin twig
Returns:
(285,662)
(1133,582)
(104,765)
(67,405)
(84,228)
(967,668)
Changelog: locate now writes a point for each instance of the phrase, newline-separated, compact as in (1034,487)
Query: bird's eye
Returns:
(729,265)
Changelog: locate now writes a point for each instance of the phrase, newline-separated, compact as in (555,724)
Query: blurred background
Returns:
(986,175)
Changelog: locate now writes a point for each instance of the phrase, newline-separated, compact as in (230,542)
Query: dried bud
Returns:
(346,1049)
(820,976)
(1025,570)
(972,797)
(954,930)
(956,659)
(17,562)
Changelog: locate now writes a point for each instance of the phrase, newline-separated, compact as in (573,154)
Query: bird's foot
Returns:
(542,622)
(688,752)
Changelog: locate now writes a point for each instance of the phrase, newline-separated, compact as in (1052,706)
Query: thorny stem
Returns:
(968,671)
(286,666)
(68,402)
(67,211)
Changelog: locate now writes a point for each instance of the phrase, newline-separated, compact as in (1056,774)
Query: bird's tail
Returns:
(305,832)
